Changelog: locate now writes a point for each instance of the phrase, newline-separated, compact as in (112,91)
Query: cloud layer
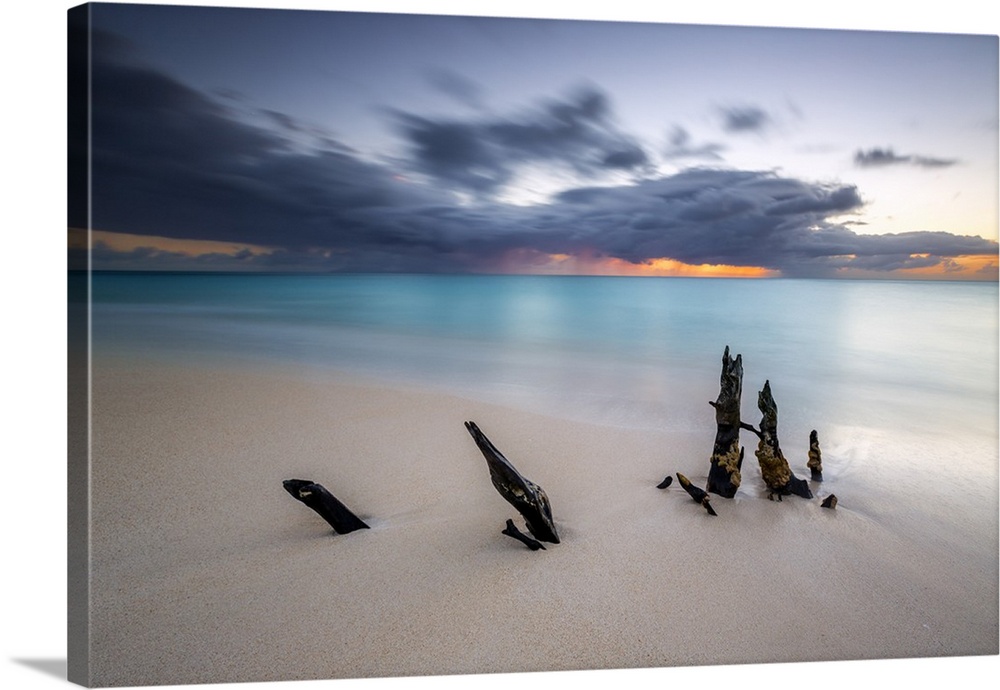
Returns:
(174,162)
(480,156)
(878,157)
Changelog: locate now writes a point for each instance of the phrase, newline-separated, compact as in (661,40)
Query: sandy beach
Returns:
(205,570)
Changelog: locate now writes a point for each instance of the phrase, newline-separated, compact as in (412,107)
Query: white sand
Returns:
(206,570)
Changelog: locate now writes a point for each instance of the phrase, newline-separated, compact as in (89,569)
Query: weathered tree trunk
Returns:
(511,531)
(727,456)
(815,463)
(695,492)
(773,466)
(326,504)
(527,497)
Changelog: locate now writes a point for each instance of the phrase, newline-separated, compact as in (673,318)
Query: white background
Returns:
(32,249)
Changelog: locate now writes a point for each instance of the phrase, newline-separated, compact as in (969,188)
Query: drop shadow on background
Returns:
(50,667)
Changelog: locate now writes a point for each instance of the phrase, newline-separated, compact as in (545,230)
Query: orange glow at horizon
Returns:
(126,242)
(566,264)
(972,267)
(671,267)
(982,267)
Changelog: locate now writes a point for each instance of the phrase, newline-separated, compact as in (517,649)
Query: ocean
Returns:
(859,349)
(899,378)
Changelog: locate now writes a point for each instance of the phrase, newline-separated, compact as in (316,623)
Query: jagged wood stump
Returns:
(815,463)
(773,467)
(527,497)
(326,504)
(727,456)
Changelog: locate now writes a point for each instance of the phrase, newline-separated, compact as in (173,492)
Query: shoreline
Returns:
(205,570)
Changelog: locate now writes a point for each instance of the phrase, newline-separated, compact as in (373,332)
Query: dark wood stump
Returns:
(815,463)
(527,497)
(326,504)
(727,456)
(773,467)
(829,502)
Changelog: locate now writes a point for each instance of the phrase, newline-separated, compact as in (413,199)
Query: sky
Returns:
(280,140)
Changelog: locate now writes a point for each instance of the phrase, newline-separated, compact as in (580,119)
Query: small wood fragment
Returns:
(815,463)
(829,502)
(696,492)
(326,504)
(666,482)
(512,531)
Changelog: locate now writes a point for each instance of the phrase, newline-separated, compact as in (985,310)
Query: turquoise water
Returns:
(933,339)
(867,349)
(900,378)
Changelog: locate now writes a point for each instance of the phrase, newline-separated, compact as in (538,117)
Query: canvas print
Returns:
(415,345)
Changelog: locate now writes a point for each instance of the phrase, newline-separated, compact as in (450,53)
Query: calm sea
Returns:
(612,350)
(899,378)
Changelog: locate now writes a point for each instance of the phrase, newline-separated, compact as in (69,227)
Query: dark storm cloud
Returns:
(626,158)
(878,157)
(482,155)
(744,119)
(741,218)
(818,200)
(170,161)
(455,152)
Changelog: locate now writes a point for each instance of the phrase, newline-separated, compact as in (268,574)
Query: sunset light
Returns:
(433,153)
(564,264)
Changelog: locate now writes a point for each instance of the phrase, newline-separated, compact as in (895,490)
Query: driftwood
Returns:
(326,504)
(527,497)
(665,483)
(773,467)
(815,463)
(512,531)
(830,501)
(727,456)
(697,493)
